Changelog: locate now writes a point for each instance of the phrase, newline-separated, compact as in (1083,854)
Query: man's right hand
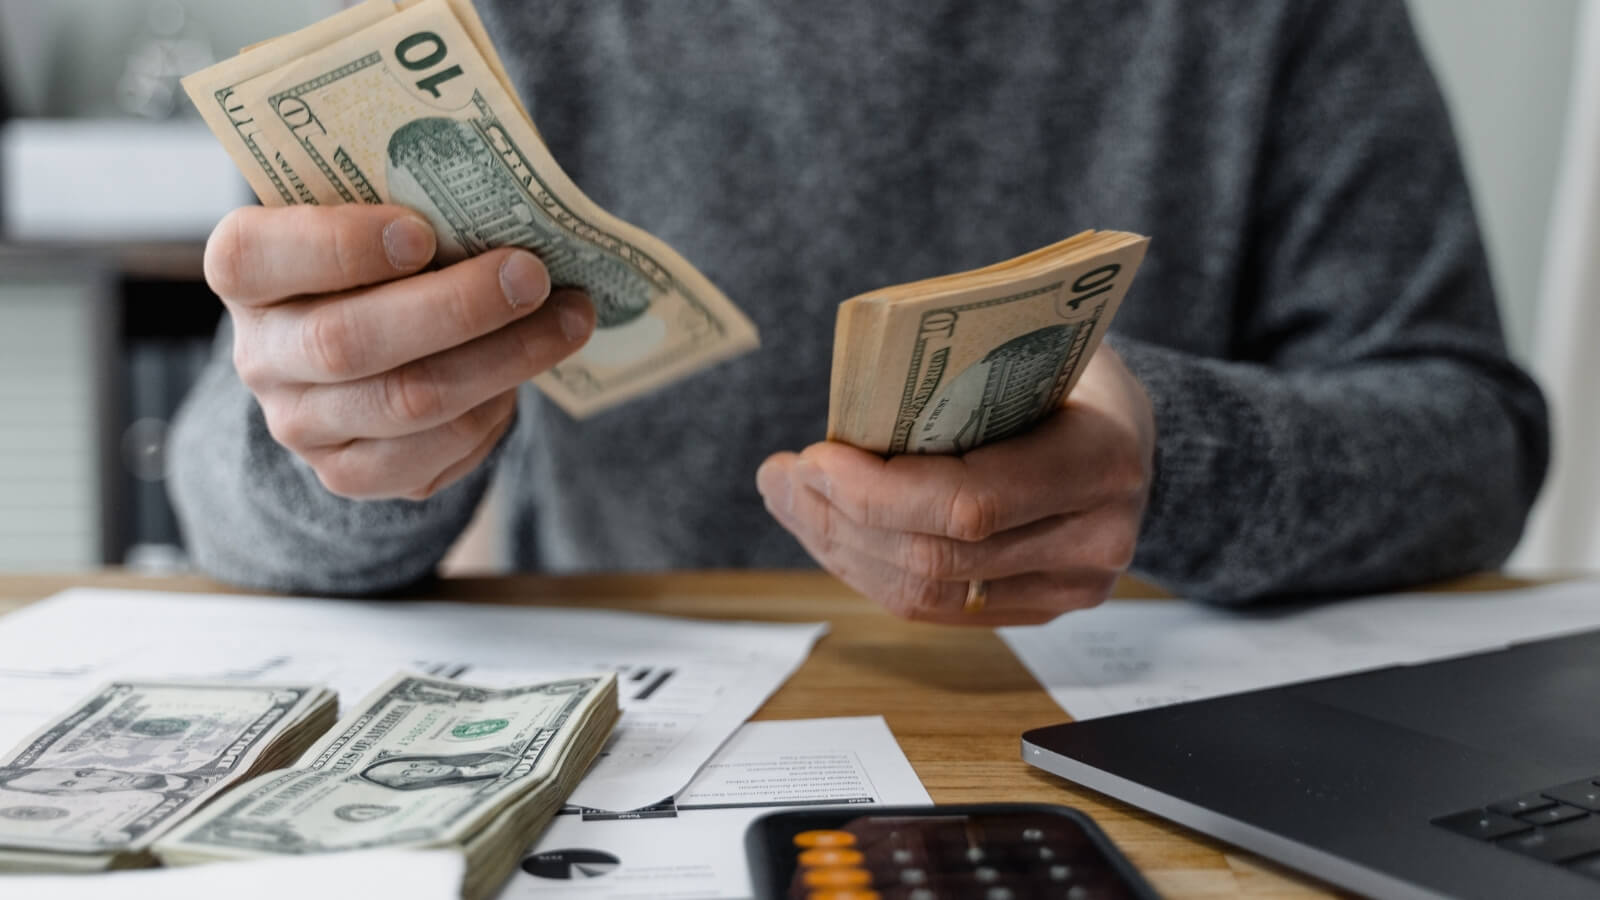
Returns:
(388,383)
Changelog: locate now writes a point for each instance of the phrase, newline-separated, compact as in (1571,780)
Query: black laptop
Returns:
(1475,776)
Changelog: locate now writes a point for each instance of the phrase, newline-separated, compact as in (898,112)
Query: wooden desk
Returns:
(956,698)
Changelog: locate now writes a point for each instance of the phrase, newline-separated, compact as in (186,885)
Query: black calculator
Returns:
(991,851)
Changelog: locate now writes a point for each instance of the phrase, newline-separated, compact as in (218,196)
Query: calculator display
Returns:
(1002,855)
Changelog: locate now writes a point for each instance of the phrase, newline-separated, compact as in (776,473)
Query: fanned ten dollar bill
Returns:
(421,762)
(951,363)
(408,103)
(215,92)
(93,789)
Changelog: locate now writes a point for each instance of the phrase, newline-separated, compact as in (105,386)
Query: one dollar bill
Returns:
(93,789)
(421,762)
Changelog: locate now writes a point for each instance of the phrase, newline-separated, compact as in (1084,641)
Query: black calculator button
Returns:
(1519,805)
(1550,815)
(913,876)
(1582,794)
(1485,826)
(1557,843)
(1033,830)
(887,859)
(902,856)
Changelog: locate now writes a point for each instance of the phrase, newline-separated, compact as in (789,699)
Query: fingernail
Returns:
(408,242)
(575,315)
(811,475)
(773,483)
(524,281)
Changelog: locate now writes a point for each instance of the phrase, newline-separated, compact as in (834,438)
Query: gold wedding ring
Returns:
(977,596)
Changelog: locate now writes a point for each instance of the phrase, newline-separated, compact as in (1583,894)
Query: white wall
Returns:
(64,57)
(1505,66)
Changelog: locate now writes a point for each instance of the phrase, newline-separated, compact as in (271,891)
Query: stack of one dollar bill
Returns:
(951,363)
(93,789)
(421,762)
(407,102)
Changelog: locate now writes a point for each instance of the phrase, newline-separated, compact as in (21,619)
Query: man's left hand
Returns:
(1048,519)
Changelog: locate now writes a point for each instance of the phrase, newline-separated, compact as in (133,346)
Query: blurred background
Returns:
(109,185)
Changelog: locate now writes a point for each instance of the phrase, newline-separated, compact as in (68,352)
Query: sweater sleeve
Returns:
(254,514)
(1368,430)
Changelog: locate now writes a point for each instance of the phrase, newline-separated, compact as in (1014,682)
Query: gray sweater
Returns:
(1314,323)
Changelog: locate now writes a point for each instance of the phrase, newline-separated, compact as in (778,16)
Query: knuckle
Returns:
(225,263)
(527,341)
(347,252)
(248,363)
(505,409)
(330,344)
(1124,544)
(462,304)
(349,473)
(285,423)
(916,594)
(1090,595)
(901,608)
(342,476)
(974,514)
(931,557)
(825,529)
(1114,546)
(411,395)
(858,507)
(532,348)
(833,567)
(1130,474)
(419,494)
(470,429)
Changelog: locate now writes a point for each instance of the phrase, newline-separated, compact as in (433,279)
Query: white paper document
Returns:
(693,846)
(1128,655)
(390,874)
(686,685)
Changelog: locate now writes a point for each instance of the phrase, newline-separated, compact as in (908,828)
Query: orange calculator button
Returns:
(846,894)
(824,838)
(836,878)
(818,857)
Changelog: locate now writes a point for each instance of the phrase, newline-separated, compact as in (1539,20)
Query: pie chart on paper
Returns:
(570,865)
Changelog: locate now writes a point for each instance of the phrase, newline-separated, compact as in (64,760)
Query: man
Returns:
(411,773)
(1306,391)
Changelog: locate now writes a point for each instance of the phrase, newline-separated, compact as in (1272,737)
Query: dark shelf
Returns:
(166,308)
(154,326)
(155,260)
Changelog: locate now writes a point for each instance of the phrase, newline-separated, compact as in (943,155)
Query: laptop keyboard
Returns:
(1559,825)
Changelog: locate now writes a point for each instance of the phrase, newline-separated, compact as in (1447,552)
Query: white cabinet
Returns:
(56,347)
